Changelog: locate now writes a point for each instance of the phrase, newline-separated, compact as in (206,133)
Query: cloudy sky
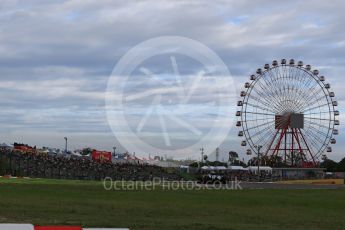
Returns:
(56,58)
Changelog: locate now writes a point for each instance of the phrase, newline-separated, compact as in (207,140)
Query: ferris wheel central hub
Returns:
(289,120)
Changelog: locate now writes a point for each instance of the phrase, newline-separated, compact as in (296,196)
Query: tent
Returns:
(184,166)
(236,167)
(214,168)
(261,168)
(220,168)
(4,145)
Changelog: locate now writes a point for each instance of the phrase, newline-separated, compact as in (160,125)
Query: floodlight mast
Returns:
(65,144)
(258,147)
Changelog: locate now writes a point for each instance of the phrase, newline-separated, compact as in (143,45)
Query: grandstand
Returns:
(37,165)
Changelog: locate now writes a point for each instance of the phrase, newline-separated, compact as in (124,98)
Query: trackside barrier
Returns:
(319,181)
(73,228)
(16,227)
(58,228)
(31,227)
(105,228)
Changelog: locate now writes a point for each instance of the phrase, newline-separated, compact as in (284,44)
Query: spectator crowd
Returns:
(22,164)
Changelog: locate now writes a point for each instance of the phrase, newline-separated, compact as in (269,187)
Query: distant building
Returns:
(5,146)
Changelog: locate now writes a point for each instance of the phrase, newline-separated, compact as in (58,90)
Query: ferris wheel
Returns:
(289,112)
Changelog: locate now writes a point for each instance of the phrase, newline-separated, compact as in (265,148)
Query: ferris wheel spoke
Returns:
(264,140)
(319,106)
(260,140)
(316,131)
(314,139)
(314,136)
(325,112)
(277,96)
(312,155)
(254,127)
(311,93)
(300,76)
(324,128)
(317,124)
(306,142)
(277,85)
(267,141)
(261,94)
(316,118)
(268,134)
(290,89)
(257,119)
(260,132)
(269,82)
(290,84)
(311,99)
(297,104)
(267,114)
(266,104)
(262,108)
(302,102)
(266,95)
(300,95)
(272,84)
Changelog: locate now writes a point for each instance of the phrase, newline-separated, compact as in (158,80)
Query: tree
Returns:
(331,166)
(252,161)
(86,151)
(276,161)
(341,165)
(233,154)
(232,157)
(194,164)
(240,163)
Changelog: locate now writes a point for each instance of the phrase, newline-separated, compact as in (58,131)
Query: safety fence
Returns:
(32,227)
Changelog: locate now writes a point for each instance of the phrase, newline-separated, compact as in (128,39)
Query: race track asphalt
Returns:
(268,185)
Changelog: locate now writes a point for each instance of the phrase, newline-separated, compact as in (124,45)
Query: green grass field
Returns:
(54,202)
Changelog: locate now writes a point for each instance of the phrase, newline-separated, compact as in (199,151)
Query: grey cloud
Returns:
(55,57)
